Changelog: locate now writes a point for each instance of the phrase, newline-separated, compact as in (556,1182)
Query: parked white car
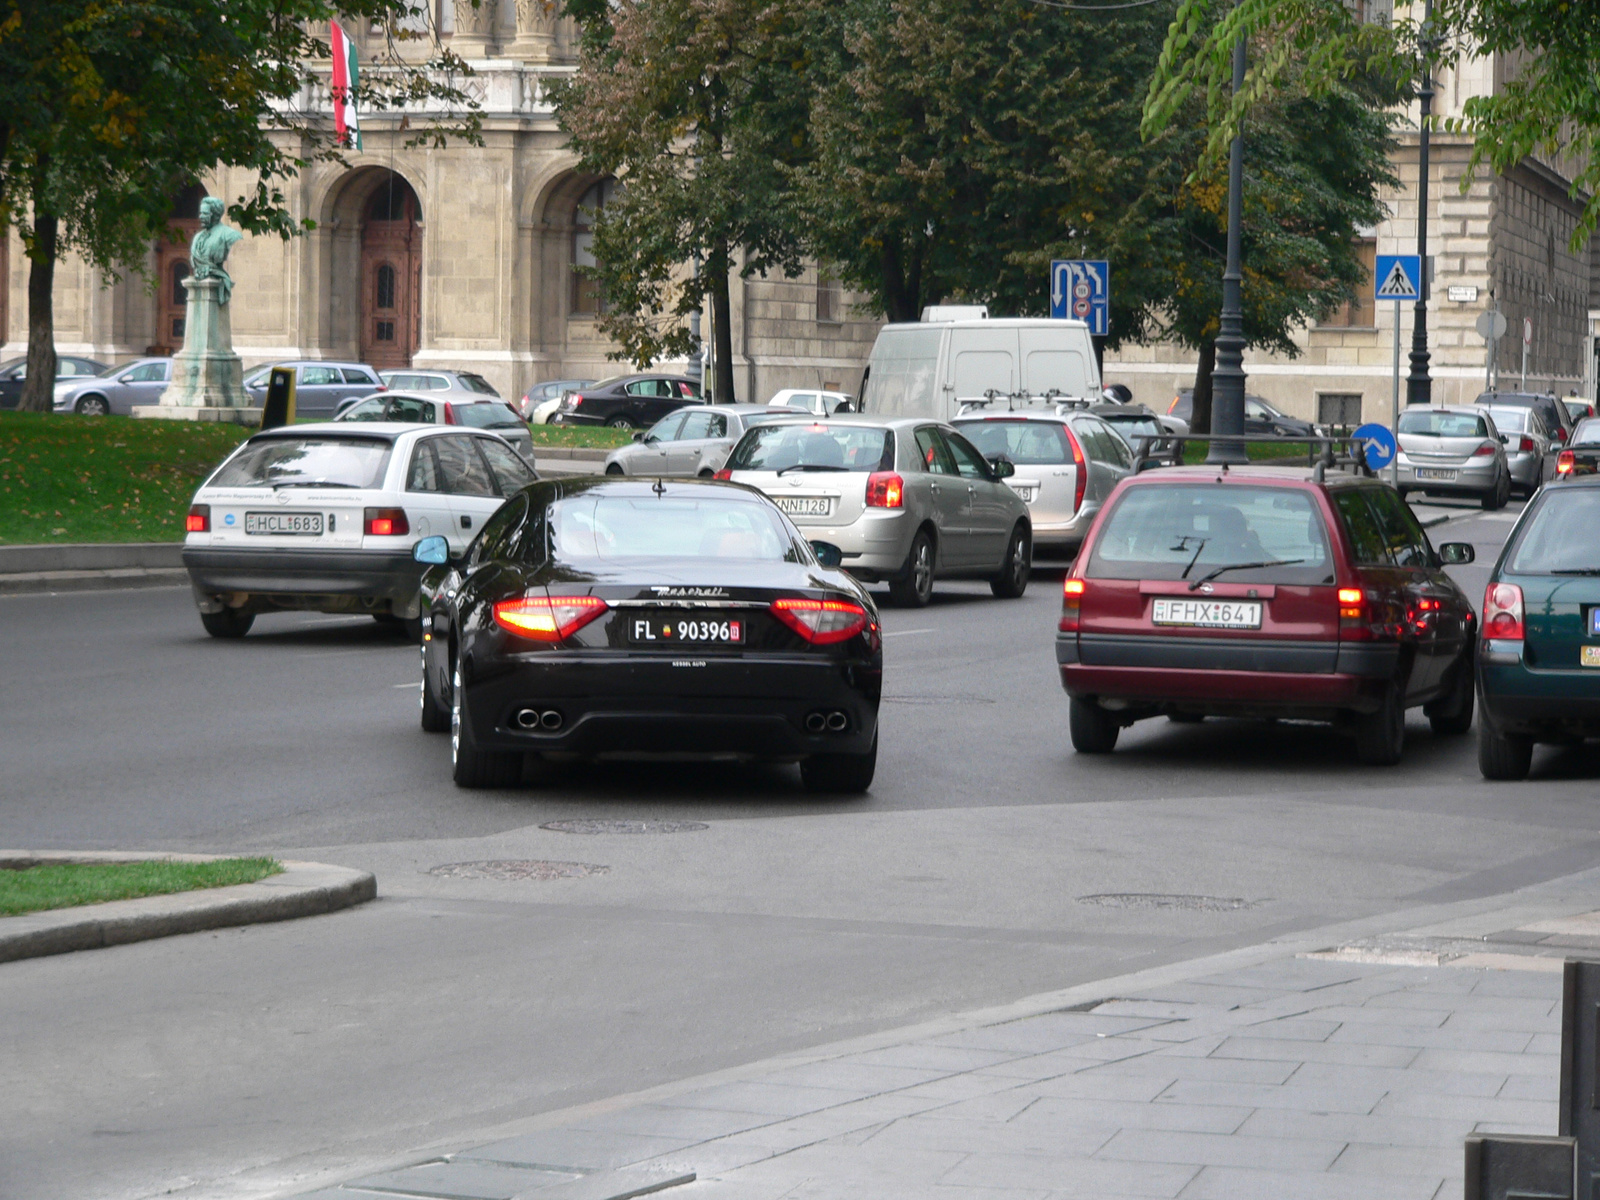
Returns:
(813,400)
(323,517)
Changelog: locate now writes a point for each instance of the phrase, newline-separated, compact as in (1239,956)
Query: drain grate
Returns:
(1163,900)
(625,826)
(519,869)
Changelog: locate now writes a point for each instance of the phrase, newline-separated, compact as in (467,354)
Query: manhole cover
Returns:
(518,868)
(938,700)
(625,826)
(1162,900)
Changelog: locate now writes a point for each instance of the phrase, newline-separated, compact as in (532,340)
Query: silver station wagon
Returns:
(1066,466)
(906,500)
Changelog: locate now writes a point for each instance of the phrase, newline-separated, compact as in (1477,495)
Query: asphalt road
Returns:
(249,1061)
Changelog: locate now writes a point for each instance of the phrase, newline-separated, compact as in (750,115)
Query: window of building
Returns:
(1339,408)
(1360,313)
(830,301)
(386,286)
(586,297)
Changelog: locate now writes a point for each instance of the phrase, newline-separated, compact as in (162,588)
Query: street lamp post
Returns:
(1419,387)
(1227,378)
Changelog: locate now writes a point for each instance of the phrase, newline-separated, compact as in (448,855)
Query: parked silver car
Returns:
(455,384)
(140,382)
(691,441)
(906,500)
(1530,449)
(320,388)
(1453,451)
(474,412)
(1066,466)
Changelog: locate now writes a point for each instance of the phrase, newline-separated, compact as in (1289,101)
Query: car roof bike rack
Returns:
(1322,452)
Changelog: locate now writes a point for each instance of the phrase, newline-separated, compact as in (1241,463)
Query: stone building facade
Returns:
(458,258)
(1503,242)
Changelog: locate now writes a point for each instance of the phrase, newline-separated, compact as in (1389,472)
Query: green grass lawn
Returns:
(598,437)
(68,885)
(103,479)
(1276,452)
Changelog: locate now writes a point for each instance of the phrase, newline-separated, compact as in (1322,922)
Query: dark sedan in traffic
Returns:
(627,401)
(600,617)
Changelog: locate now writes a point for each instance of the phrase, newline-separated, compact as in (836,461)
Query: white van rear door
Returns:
(980,360)
(1060,358)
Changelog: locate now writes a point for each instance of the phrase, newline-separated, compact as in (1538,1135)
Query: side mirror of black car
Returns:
(1004,468)
(1457,553)
(828,554)
(434,551)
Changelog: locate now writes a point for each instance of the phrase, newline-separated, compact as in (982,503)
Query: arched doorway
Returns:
(391,274)
(172,268)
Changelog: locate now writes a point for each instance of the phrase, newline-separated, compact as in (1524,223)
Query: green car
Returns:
(1539,654)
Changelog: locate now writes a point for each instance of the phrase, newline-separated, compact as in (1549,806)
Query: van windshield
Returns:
(1188,531)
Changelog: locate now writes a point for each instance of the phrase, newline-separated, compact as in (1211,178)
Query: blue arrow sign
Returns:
(1080,288)
(1378,443)
(1398,277)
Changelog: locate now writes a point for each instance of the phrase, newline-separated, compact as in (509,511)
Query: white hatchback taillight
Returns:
(1502,612)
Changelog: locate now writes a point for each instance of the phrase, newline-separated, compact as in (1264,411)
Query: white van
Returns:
(929,368)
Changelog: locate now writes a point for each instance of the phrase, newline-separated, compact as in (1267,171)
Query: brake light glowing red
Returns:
(449,413)
(199,519)
(385,522)
(1502,612)
(1353,623)
(821,622)
(1071,595)
(885,489)
(547,618)
(1486,449)
(1565,463)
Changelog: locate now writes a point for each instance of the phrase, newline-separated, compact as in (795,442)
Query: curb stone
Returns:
(303,889)
(90,566)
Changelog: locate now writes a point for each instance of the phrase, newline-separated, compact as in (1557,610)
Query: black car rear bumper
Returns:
(379,574)
(755,706)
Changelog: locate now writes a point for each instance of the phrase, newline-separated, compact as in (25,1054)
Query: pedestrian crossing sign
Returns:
(1399,277)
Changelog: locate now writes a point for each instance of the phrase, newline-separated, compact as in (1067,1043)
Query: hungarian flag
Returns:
(346,127)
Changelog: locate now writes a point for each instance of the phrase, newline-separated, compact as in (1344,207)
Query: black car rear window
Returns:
(306,462)
(1188,531)
(1555,540)
(1024,442)
(815,447)
(606,528)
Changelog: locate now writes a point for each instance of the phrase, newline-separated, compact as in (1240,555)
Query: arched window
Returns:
(385,297)
(586,297)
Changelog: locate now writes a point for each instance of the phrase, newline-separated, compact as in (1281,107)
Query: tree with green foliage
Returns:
(107,108)
(684,102)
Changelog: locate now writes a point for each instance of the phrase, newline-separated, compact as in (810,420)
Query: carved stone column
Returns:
(536,30)
(474,28)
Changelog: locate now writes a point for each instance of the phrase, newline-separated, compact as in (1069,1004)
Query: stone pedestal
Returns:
(207,376)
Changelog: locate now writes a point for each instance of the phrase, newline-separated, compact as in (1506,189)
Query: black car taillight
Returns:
(385,522)
(199,519)
(821,622)
(547,618)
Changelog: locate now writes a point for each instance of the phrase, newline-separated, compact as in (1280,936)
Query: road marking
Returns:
(407,685)
(907,632)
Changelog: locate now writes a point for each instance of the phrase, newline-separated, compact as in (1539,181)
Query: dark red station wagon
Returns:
(1264,592)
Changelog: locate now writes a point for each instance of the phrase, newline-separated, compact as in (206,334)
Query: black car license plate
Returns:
(686,629)
(304,524)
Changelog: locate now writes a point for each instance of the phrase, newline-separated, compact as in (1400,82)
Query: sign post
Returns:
(1399,278)
(1527,343)
(1080,288)
(1491,327)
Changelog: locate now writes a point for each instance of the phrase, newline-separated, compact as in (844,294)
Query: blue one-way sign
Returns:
(1398,277)
(1080,288)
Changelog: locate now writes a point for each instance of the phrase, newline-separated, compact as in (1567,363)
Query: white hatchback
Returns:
(323,518)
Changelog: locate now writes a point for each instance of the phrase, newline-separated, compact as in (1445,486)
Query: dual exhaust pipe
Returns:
(835,721)
(546,720)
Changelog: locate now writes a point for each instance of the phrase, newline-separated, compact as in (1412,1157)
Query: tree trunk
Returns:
(722,328)
(901,287)
(38,390)
(1200,415)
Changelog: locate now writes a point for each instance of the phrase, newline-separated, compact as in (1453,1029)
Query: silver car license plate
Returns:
(1436,474)
(303,524)
(1026,492)
(1207,614)
(804,506)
